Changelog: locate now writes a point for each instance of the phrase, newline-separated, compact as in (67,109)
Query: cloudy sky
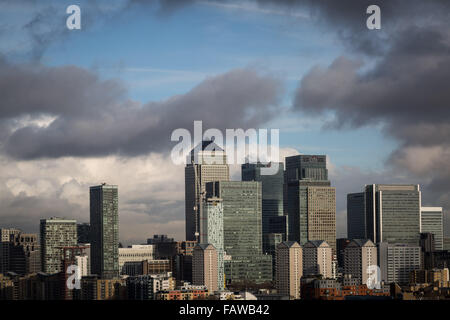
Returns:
(99,104)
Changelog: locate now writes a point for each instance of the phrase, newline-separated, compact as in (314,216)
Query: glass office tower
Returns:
(242,227)
(273,220)
(356,217)
(393,213)
(104,220)
(432,222)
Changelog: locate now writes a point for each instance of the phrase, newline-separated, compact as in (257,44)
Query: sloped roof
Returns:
(317,243)
(362,242)
(210,144)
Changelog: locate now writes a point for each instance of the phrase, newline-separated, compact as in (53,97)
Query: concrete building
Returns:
(204,267)
(341,244)
(311,200)
(359,254)
(94,288)
(432,221)
(433,276)
(147,267)
(135,253)
(183,294)
(73,256)
(6,234)
(207,162)
(289,269)
(211,231)
(317,259)
(55,234)
(104,220)
(356,217)
(24,254)
(397,261)
(145,287)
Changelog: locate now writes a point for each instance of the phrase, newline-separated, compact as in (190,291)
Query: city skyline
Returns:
(142,71)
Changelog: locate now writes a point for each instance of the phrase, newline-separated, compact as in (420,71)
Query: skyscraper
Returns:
(207,162)
(242,216)
(204,266)
(311,200)
(432,222)
(55,234)
(273,220)
(356,217)
(289,269)
(306,167)
(211,232)
(242,227)
(393,213)
(104,220)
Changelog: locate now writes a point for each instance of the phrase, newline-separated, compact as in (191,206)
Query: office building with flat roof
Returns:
(432,221)
(55,234)
(356,217)
(311,200)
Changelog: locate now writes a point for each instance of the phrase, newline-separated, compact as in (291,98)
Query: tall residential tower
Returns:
(104,220)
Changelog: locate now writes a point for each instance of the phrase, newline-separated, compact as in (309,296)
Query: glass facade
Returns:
(242,227)
(211,232)
(272,198)
(256,269)
(432,222)
(104,216)
(356,217)
(393,213)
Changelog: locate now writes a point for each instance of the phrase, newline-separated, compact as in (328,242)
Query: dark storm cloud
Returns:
(24,211)
(404,88)
(93,117)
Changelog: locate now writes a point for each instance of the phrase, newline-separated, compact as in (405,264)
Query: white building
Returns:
(135,253)
(83,265)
